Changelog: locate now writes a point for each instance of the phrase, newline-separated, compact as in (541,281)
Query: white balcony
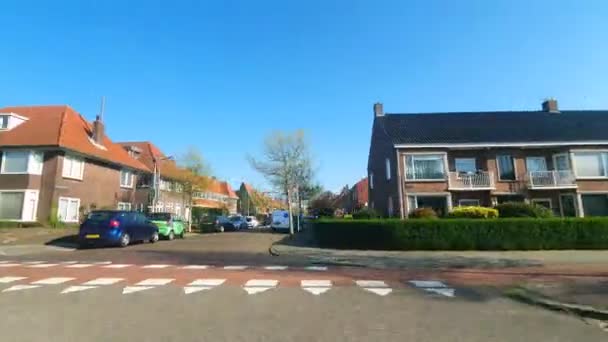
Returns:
(551,179)
(480,180)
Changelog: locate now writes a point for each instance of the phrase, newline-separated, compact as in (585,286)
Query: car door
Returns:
(129,220)
(178,225)
(146,227)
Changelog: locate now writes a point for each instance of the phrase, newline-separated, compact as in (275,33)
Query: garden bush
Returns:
(464,234)
(521,209)
(474,212)
(423,213)
(366,213)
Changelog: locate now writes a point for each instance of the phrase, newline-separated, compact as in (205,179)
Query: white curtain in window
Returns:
(15,161)
(590,164)
(11,205)
(425,167)
(536,164)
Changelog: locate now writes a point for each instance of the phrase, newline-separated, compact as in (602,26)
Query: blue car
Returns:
(116,228)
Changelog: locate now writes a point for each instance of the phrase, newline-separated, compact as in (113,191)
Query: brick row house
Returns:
(554,158)
(255,202)
(219,196)
(56,164)
(354,198)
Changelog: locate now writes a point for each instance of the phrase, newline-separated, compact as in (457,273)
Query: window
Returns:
(591,164)
(22,162)
(437,203)
(534,164)
(468,202)
(388,169)
(124,206)
(3,121)
(371,180)
(126,179)
(424,166)
(545,202)
(390,206)
(506,167)
(73,167)
(11,205)
(465,165)
(561,162)
(595,205)
(68,209)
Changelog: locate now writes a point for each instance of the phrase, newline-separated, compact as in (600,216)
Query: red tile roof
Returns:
(149,152)
(62,127)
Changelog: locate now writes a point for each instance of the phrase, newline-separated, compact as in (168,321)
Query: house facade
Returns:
(56,164)
(554,158)
(219,196)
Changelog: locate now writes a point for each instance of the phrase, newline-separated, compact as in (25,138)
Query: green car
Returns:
(169,225)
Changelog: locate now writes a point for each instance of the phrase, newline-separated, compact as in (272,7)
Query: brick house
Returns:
(52,157)
(218,196)
(558,159)
(354,198)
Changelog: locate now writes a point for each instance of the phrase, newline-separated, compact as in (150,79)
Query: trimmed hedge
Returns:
(474,212)
(423,213)
(464,234)
(366,213)
(521,209)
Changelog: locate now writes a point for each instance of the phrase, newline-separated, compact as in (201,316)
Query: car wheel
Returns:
(181,235)
(124,240)
(154,238)
(221,229)
(171,236)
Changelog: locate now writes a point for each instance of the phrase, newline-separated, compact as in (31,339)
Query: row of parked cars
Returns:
(121,228)
(278,220)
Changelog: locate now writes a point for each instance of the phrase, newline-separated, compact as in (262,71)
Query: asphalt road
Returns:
(192,290)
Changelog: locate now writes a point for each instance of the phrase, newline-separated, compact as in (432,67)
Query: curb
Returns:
(528,297)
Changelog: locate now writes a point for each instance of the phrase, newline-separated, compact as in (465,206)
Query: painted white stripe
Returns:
(207,282)
(155,282)
(42,265)
(371,283)
(378,290)
(132,289)
(442,291)
(103,281)
(68,262)
(156,266)
(32,262)
(117,266)
(101,262)
(275,268)
(20,287)
(254,286)
(77,288)
(6,280)
(52,281)
(9,265)
(316,268)
(193,289)
(237,267)
(5,261)
(79,266)
(316,287)
(196,267)
(427,283)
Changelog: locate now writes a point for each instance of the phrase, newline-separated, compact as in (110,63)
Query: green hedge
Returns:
(474,212)
(14,224)
(464,234)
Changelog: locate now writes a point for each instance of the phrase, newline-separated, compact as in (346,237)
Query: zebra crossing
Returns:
(5,264)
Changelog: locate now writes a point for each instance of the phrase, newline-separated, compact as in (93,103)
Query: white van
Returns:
(280,220)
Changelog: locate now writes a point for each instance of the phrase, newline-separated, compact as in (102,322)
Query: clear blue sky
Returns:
(222,74)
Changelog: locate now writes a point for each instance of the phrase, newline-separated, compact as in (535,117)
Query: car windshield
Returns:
(235,218)
(100,216)
(159,216)
(249,219)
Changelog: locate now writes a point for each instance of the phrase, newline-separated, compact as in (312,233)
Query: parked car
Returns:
(238,222)
(169,225)
(116,227)
(252,222)
(221,222)
(280,220)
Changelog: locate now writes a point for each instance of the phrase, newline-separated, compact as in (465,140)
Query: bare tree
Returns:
(286,164)
(195,178)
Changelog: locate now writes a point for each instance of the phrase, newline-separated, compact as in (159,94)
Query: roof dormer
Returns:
(9,121)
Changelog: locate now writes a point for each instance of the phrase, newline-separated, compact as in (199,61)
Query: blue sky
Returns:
(221,75)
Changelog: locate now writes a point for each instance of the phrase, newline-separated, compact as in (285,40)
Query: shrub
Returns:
(366,213)
(464,234)
(13,224)
(474,212)
(423,213)
(348,217)
(521,209)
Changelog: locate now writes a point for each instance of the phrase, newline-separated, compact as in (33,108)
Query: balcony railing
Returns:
(481,180)
(552,179)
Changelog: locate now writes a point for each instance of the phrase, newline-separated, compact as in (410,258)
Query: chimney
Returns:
(378,109)
(98,131)
(550,106)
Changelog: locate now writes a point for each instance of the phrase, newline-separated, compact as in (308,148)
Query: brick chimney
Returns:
(378,109)
(98,131)
(550,106)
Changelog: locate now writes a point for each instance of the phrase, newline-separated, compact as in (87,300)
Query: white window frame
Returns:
(68,166)
(467,159)
(4,118)
(124,206)
(540,200)
(371,180)
(476,201)
(530,158)
(557,155)
(28,196)
(604,160)
(514,168)
(390,207)
(69,200)
(415,195)
(130,184)
(387,163)
(30,166)
(444,158)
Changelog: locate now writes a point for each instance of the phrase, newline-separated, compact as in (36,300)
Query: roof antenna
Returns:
(103,105)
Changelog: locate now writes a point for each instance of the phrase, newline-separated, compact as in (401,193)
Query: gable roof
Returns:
(496,127)
(149,152)
(61,126)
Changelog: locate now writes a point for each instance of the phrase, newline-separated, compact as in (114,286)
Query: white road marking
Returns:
(79,266)
(155,282)
(9,265)
(42,265)
(117,266)
(32,262)
(193,289)
(101,262)
(156,266)
(442,291)
(68,262)
(275,268)
(238,267)
(103,281)
(207,282)
(6,280)
(378,290)
(378,287)
(132,289)
(195,267)
(254,286)
(316,268)
(5,261)
(52,281)
(77,288)
(427,283)
(316,287)
(20,287)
